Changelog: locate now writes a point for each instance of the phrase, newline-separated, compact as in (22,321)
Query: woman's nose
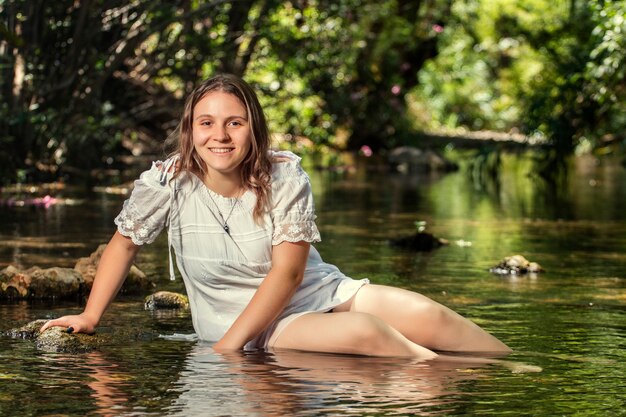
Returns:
(220,134)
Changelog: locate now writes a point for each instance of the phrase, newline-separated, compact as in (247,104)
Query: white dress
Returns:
(222,271)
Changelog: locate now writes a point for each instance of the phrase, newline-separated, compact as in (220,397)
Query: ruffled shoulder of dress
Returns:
(162,172)
(150,205)
(286,165)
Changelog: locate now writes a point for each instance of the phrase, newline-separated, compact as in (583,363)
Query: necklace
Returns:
(224,220)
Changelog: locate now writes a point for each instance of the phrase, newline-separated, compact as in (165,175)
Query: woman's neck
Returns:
(226,186)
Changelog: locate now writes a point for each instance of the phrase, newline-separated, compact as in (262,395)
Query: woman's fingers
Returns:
(53,323)
(70,322)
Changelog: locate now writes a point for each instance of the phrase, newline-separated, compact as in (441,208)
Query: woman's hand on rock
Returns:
(74,324)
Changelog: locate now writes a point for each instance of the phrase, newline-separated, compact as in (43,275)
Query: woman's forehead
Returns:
(220,103)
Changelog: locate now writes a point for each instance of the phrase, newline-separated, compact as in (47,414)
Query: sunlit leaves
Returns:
(548,67)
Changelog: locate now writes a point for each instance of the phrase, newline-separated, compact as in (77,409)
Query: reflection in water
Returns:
(65,384)
(291,383)
(105,379)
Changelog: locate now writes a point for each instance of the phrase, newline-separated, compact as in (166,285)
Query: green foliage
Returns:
(334,72)
(340,70)
(604,72)
(56,66)
(79,80)
(74,75)
(548,69)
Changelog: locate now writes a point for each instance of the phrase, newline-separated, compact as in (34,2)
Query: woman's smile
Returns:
(221,150)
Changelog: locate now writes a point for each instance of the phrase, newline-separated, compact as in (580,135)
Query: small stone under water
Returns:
(420,241)
(516,265)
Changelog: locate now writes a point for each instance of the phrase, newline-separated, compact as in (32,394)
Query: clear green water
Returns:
(570,320)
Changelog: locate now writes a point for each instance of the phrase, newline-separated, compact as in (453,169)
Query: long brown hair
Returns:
(256,166)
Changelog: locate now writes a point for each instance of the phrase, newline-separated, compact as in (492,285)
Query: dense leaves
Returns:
(549,69)
(85,82)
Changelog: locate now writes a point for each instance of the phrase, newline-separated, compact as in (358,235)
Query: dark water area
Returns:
(569,320)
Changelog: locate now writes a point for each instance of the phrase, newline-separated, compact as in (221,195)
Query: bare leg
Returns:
(348,332)
(423,320)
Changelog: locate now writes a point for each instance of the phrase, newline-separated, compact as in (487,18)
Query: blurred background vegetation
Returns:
(90,83)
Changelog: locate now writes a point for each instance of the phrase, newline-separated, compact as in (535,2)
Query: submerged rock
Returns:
(40,283)
(136,281)
(516,265)
(55,339)
(27,331)
(411,159)
(166,300)
(420,241)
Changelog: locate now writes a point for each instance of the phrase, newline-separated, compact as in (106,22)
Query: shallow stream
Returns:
(569,320)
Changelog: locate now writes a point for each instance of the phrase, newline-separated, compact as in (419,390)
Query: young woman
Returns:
(241,221)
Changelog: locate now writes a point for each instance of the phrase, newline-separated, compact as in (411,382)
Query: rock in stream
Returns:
(55,339)
(40,283)
(515,265)
(37,283)
(166,300)
(420,241)
(136,281)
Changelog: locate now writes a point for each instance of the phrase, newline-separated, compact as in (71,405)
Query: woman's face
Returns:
(221,133)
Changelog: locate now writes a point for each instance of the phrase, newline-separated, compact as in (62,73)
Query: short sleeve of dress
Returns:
(293,211)
(146,211)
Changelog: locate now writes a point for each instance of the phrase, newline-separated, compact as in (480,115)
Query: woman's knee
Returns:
(426,319)
(373,336)
(429,311)
(370,335)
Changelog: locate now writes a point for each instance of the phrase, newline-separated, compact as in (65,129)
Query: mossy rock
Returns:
(40,283)
(164,300)
(420,242)
(410,159)
(27,331)
(56,339)
(136,280)
(516,265)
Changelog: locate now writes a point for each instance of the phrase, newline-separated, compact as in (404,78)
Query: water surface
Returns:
(570,320)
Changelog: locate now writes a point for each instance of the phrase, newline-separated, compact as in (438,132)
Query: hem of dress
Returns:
(283,323)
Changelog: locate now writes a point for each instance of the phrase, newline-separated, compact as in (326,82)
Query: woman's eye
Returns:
(235,123)
(205,123)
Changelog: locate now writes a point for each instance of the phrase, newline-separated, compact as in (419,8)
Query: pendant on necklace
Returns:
(227,229)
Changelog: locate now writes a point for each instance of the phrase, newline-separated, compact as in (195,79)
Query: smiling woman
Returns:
(241,221)
(224,113)
(221,138)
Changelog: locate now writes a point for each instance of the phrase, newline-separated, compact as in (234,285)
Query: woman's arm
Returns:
(272,296)
(114,265)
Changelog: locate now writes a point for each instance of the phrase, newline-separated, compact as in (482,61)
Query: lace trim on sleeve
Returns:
(140,231)
(296,232)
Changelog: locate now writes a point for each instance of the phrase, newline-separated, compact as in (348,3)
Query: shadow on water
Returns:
(568,321)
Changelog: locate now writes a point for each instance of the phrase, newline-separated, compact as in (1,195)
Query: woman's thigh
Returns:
(347,332)
(422,320)
(411,313)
